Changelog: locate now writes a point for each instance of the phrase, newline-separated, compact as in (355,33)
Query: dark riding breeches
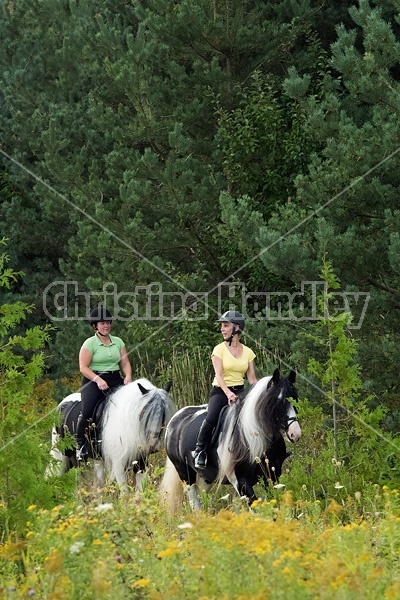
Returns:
(216,402)
(90,397)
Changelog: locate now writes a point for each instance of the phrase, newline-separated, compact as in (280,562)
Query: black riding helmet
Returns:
(232,316)
(99,314)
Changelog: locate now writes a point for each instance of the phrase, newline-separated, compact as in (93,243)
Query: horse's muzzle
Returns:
(293,430)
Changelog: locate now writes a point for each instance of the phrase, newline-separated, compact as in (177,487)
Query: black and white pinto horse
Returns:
(247,443)
(131,427)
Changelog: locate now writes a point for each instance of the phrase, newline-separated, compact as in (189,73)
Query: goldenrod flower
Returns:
(140,583)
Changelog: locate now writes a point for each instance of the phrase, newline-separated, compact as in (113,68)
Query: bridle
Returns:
(287,421)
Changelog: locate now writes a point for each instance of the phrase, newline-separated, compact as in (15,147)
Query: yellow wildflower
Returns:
(392,592)
(100,585)
(140,583)
(53,562)
(172,548)
(334,507)
(339,580)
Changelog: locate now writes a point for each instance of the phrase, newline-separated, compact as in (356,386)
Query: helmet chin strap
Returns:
(98,332)
(230,339)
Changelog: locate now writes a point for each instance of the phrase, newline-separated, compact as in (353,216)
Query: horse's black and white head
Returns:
(276,408)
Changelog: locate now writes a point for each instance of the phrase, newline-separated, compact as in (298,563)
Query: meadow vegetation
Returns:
(287,546)
(329,529)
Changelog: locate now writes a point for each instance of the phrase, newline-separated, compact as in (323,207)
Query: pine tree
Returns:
(346,205)
(113,110)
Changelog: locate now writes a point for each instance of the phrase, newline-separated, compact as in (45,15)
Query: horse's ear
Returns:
(276,376)
(292,376)
(143,389)
(168,386)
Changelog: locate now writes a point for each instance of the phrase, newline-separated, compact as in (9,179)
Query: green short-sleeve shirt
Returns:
(104,358)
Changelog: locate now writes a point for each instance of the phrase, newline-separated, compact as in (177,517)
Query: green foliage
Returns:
(110,113)
(24,423)
(263,144)
(350,447)
(339,376)
(348,195)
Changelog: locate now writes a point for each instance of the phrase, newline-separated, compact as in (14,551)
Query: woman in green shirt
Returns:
(100,359)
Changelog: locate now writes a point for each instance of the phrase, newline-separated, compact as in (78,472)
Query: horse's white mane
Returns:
(250,426)
(132,390)
(255,439)
(129,429)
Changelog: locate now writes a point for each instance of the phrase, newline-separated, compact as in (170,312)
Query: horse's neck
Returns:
(255,424)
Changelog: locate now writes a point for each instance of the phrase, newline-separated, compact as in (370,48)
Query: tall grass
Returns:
(191,373)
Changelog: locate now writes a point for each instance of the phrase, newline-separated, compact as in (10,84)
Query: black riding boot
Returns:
(203,439)
(81,439)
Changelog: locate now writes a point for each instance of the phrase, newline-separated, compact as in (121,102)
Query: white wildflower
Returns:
(104,507)
(186,525)
(76,547)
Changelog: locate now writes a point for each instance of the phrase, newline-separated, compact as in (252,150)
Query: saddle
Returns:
(210,473)
(70,414)
(220,423)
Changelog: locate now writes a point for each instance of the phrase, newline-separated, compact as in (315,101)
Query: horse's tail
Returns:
(171,488)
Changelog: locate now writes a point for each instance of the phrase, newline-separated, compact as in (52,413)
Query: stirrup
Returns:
(200,459)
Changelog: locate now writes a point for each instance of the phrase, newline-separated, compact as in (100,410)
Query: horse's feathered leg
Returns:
(243,478)
(171,488)
(194,496)
(244,489)
(118,471)
(140,480)
(99,473)
(63,464)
